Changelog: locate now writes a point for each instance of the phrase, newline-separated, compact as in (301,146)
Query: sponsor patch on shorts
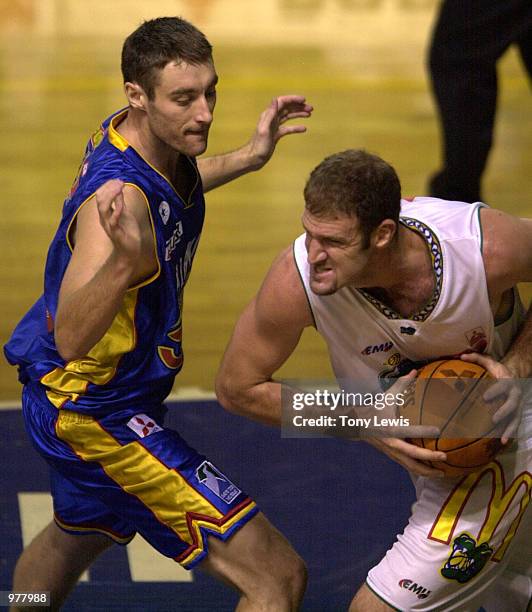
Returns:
(143,425)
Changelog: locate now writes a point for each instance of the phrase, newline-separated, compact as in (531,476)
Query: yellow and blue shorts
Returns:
(126,473)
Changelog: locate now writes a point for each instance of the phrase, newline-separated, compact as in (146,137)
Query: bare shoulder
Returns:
(506,249)
(282,297)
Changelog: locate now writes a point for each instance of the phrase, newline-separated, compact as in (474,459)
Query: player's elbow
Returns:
(229,393)
(68,346)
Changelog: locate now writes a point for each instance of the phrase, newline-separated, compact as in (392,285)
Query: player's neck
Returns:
(406,274)
(158,154)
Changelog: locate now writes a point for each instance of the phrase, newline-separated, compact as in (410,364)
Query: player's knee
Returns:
(282,585)
(281,576)
(294,577)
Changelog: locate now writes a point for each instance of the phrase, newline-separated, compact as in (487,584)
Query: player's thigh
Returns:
(60,552)
(257,556)
(366,601)
(81,549)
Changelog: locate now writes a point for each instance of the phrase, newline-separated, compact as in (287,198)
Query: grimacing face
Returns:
(181,111)
(335,253)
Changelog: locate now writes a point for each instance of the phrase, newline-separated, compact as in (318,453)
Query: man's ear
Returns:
(136,96)
(384,233)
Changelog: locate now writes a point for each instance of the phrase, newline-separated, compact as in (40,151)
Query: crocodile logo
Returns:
(466,559)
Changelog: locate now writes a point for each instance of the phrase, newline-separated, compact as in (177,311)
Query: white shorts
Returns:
(467,544)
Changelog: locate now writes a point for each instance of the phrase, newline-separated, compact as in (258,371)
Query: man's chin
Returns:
(195,149)
(322,288)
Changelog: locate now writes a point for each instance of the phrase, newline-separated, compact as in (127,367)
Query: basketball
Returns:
(448,394)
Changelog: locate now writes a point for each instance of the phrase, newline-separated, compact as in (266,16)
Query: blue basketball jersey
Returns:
(137,359)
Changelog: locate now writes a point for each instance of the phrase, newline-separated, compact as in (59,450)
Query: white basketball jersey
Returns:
(370,344)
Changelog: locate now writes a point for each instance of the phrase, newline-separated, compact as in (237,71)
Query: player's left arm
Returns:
(220,169)
(507,255)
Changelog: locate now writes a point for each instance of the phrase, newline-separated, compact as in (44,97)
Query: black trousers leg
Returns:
(468,39)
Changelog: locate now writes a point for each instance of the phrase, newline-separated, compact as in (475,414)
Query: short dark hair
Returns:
(157,42)
(354,183)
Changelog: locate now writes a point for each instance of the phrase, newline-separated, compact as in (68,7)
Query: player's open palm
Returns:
(119,223)
(271,126)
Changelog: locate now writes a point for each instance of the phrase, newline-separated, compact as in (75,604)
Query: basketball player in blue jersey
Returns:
(99,351)
(424,278)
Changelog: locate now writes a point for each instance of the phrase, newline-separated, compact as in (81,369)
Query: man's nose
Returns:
(315,251)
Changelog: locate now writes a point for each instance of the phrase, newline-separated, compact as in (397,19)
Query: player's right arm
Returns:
(113,250)
(265,335)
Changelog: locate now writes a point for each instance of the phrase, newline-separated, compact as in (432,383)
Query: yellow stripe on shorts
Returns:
(141,474)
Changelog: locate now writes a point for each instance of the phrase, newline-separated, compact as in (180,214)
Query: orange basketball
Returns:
(448,394)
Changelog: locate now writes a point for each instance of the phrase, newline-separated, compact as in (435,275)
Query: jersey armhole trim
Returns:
(303,284)
(480,232)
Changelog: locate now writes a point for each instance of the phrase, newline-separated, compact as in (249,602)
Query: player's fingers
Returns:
(418,431)
(290,129)
(488,363)
(417,467)
(417,452)
(404,431)
(422,469)
(500,387)
(511,403)
(108,191)
(291,100)
(288,116)
(117,207)
(106,194)
(270,112)
(511,429)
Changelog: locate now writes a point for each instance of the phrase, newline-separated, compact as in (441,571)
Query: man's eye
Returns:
(211,94)
(183,101)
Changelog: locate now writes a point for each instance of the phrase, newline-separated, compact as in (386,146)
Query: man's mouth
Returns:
(321,270)
(202,133)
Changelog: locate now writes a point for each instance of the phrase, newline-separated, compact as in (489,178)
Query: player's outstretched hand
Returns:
(272,126)
(506,386)
(119,223)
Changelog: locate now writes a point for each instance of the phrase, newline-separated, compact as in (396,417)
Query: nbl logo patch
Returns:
(217,482)
(164,211)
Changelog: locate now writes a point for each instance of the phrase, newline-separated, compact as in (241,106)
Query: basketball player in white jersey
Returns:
(426,278)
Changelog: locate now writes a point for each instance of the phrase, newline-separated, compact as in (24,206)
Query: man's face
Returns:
(335,253)
(181,111)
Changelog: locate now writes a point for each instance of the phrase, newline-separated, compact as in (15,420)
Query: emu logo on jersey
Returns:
(164,211)
(419,590)
(377,348)
(219,484)
(466,560)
